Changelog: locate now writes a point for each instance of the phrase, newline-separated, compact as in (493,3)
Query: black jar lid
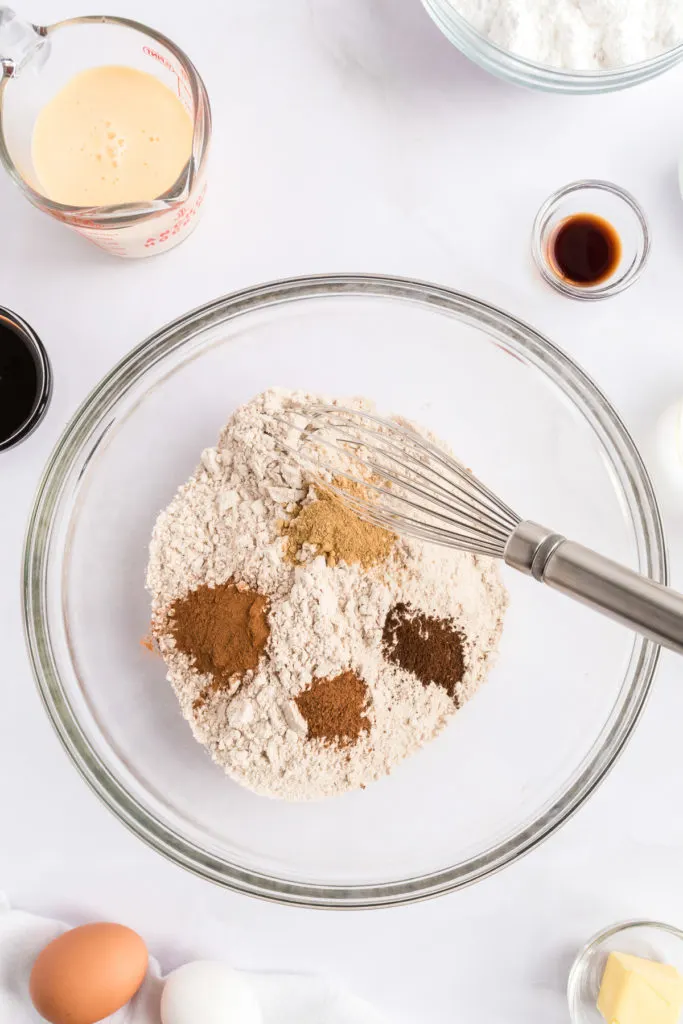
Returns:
(25,380)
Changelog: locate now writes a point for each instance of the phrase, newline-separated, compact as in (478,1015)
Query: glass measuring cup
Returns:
(37,61)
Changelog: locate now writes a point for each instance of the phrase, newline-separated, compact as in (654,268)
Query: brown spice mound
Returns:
(333,709)
(430,648)
(223,629)
(337,532)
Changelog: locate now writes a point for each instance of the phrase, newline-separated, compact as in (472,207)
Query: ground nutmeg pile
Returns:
(432,649)
(310,652)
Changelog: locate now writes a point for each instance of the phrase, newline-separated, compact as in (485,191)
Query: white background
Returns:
(350,136)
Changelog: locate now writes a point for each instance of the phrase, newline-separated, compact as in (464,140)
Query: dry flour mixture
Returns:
(310,652)
(578,35)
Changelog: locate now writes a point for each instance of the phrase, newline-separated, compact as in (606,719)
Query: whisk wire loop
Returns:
(403,482)
(396,478)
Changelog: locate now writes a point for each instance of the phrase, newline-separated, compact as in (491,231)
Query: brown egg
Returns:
(88,973)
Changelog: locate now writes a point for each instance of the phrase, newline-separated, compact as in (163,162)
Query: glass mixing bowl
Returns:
(522,71)
(516,761)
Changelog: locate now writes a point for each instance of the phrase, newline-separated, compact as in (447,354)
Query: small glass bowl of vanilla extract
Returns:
(591,240)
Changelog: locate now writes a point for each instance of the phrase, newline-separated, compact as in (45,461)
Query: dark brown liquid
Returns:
(18,382)
(585,249)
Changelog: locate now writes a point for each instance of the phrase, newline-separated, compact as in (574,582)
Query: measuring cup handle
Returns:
(20,42)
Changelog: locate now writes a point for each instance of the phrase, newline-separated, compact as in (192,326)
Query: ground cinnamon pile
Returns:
(430,648)
(333,709)
(337,532)
(223,629)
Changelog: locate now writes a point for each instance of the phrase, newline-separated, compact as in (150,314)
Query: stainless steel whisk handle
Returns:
(624,595)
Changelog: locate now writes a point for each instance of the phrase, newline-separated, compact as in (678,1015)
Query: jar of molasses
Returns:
(25,380)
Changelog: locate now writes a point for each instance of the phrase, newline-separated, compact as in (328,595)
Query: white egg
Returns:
(209,992)
(669,440)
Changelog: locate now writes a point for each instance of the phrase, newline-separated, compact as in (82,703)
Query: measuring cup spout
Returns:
(20,42)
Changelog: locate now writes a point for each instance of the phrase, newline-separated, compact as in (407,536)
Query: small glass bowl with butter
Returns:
(650,940)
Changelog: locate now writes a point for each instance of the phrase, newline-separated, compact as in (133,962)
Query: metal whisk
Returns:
(396,478)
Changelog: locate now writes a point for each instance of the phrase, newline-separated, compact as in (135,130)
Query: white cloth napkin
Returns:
(284,998)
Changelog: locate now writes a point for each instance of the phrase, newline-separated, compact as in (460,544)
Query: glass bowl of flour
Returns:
(514,762)
(573,46)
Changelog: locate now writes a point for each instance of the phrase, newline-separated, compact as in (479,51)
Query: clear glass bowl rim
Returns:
(100,405)
(520,70)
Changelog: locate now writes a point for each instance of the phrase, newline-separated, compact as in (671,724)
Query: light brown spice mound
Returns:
(337,532)
(430,648)
(333,709)
(223,629)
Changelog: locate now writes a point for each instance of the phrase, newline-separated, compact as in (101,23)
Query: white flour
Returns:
(579,35)
(225,522)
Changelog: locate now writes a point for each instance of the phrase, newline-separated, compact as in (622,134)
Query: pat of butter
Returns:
(637,991)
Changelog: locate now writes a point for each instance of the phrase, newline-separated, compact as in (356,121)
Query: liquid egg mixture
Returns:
(112,135)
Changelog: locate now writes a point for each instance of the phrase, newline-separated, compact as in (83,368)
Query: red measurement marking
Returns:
(183,217)
(108,243)
(149,52)
(181,76)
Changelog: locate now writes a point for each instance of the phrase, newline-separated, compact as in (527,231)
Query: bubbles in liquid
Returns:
(100,141)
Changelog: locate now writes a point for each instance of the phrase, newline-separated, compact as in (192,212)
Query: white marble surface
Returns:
(349,135)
